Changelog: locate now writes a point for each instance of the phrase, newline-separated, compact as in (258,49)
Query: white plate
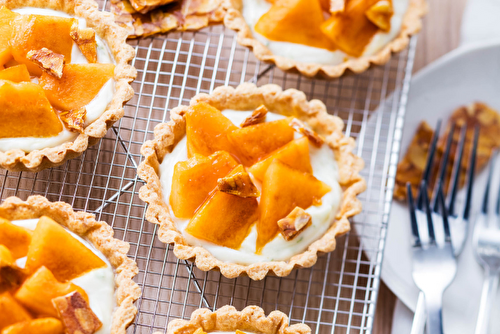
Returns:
(465,75)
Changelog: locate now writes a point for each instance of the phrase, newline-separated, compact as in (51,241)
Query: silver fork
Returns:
(486,243)
(430,275)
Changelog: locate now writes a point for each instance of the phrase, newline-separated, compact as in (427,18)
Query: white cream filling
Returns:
(254,9)
(324,168)
(99,284)
(95,108)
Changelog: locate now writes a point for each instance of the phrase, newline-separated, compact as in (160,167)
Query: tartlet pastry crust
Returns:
(412,23)
(115,36)
(247,96)
(100,235)
(227,318)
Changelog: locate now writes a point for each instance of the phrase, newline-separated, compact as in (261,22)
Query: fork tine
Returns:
(441,200)
(413,217)
(455,175)
(442,169)
(428,164)
(470,173)
(497,210)
(486,198)
(428,212)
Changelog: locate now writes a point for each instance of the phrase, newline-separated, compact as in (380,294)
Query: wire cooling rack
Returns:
(339,293)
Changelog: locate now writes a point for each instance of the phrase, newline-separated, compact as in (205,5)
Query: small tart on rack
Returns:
(62,271)
(64,77)
(325,37)
(251,180)
(144,18)
(227,319)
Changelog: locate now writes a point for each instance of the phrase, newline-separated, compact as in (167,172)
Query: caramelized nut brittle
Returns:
(239,184)
(144,6)
(85,39)
(181,15)
(76,314)
(380,14)
(337,6)
(313,137)
(74,120)
(47,60)
(410,168)
(258,116)
(294,223)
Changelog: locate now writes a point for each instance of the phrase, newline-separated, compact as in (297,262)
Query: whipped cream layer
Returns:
(254,9)
(325,169)
(95,108)
(99,284)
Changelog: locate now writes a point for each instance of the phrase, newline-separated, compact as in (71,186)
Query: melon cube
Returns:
(283,189)
(194,179)
(224,219)
(34,32)
(294,154)
(18,73)
(16,238)
(55,248)
(351,30)
(11,311)
(207,129)
(37,292)
(6,16)
(36,326)
(295,21)
(79,84)
(254,142)
(26,112)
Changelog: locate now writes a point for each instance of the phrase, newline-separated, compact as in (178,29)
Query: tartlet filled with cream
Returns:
(247,181)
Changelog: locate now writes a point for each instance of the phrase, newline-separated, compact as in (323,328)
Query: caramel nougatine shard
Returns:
(76,314)
(74,120)
(301,128)
(294,223)
(258,116)
(85,39)
(49,61)
(239,184)
(410,168)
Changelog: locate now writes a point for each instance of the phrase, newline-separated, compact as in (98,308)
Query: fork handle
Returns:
(434,305)
(490,286)
(419,318)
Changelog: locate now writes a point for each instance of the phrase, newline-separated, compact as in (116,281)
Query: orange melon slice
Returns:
(11,311)
(283,189)
(55,248)
(37,326)
(26,112)
(79,84)
(18,73)
(295,21)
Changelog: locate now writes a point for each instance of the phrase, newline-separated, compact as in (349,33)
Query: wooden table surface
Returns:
(440,34)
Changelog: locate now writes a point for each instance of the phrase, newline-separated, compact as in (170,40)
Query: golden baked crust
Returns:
(100,235)
(227,318)
(115,36)
(412,23)
(181,16)
(247,96)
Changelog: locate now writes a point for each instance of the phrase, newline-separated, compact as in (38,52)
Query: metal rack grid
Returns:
(338,294)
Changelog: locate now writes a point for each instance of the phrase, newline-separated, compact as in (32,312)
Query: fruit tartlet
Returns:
(227,319)
(325,37)
(62,271)
(251,180)
(64,77)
